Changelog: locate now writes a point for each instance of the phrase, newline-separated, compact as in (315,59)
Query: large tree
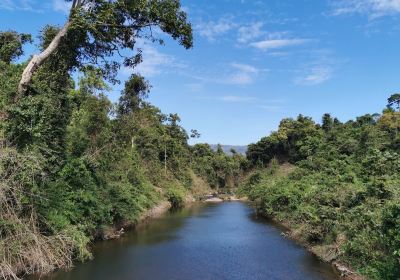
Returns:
(98,30)
(393,100)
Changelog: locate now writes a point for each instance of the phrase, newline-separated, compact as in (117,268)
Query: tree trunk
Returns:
(38,60)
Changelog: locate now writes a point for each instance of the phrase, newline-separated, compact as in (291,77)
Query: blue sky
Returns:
(256,62)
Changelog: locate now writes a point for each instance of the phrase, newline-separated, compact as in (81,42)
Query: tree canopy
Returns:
(97,31)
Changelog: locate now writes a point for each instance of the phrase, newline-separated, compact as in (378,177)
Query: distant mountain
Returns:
(227,148)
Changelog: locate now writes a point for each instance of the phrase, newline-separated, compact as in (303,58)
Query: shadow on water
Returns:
(203,241)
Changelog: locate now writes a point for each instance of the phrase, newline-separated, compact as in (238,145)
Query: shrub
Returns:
(176,196)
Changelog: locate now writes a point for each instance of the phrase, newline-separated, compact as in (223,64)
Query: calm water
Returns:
(205,241)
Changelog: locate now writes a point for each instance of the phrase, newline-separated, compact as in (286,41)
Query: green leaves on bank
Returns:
(341,193)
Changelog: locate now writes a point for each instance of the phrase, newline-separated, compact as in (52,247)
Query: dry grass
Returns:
(199,187)
(23,248)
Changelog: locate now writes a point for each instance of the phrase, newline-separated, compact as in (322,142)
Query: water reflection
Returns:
(204,241)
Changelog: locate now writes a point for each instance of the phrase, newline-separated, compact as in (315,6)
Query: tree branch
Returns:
(38,60)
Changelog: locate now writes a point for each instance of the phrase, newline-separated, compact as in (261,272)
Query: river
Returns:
(203,241)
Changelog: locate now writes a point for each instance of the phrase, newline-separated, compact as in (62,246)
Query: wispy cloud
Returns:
(23,5)
(316,75)
(154,62)
(194,87)
(250,32)
(236,74)
(270,44)
(372,8)
(243,74)
(320,67)
(240,78)
(213,29)
(7,4)
(61,6)
(245,68)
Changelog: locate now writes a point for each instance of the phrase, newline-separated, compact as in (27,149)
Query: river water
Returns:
(203,241)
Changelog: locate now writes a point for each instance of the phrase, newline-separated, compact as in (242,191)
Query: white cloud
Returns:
(245,67)
(212,29)
(250,32)
(278,43)
(61,6)
(7,4)
(316,75)
(240,78)
(154,62)
(236,74)
(373,8)
(243,74)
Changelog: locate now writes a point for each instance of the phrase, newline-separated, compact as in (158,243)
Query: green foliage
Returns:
(295,140)
(220,170)
(102,29)
(344,191)
(11,44)
(394,101)
(176,196)
(79,163)
(136,89)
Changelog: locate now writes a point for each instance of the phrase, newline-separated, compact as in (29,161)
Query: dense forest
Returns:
(73,165)
(336,186)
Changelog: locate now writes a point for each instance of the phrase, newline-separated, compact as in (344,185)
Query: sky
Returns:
(256,62)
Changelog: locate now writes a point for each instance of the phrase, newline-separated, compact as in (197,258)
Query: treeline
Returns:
(336,185)
(73,165)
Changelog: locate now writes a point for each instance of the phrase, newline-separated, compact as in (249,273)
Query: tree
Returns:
(194,133)
(220,150)
(327,122)
(136,89)
(11,45)
(393,100)
(96,30)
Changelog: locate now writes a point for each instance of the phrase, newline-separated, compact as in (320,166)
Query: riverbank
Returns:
(325,253)
(164,206)
(224,238)
(154,212)
(274,198)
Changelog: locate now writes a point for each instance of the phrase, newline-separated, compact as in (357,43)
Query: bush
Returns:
(176,196)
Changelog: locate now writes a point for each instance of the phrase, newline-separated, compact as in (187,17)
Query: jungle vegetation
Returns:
(336,186)
(73,165)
